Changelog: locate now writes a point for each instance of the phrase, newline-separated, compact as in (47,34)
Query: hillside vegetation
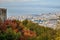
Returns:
(26,30)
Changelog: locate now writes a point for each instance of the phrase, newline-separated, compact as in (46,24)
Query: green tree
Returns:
(12,35)
(25,22)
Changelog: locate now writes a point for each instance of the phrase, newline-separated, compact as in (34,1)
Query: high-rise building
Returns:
(3,14)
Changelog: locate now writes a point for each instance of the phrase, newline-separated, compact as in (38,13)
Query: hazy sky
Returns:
(18,7)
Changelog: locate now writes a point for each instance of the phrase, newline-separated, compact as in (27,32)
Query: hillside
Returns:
(26,30)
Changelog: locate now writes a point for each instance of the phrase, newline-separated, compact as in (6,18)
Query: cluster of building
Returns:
(47,20)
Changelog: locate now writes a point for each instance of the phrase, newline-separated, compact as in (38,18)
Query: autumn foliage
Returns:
(26,30)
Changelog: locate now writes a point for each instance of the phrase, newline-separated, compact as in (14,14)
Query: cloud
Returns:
(4,1)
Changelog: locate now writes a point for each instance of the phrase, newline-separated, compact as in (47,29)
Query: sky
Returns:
(24,7)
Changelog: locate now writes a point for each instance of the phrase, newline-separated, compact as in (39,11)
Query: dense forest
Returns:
(26,30)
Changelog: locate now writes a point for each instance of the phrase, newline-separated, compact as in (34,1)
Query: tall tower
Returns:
(3,14)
